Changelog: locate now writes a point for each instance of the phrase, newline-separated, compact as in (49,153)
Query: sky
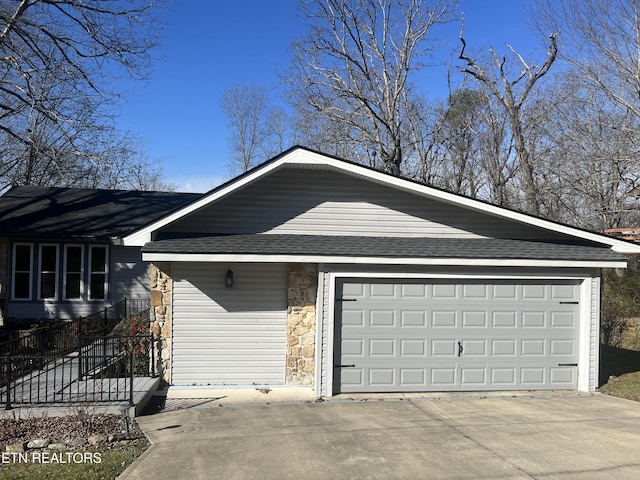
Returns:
(208,46)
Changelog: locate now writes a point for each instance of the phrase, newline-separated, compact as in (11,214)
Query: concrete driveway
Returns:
(567,437)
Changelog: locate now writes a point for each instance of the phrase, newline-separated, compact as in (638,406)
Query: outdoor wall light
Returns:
(228,279)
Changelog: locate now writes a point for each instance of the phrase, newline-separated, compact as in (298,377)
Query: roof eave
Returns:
(294,258)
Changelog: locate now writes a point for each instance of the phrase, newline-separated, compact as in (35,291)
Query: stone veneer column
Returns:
(301,323)
(161,285)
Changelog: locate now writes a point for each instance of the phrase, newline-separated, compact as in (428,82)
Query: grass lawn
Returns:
(625,386)
(113,461)
(624,365)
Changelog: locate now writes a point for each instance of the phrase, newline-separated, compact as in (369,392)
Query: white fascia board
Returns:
(484,262)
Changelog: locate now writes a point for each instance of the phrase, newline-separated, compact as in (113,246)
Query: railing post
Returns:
(125,308)
(153,356)
(131,378)
(106,322)
(8,378)
(79,355)
(41,338)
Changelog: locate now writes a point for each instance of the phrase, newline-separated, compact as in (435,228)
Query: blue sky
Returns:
(208,46)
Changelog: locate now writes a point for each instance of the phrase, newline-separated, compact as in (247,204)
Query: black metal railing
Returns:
(62,338)
(65,337)
(59,381)
(102,370)
(95,348)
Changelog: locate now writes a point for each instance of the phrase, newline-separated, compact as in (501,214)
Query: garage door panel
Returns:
(562,375)
(413,291)
(353,347)
(443,348)
(534,319)
(563,319)
(473,376)
(382,348)
(443,318)
(444,291)
(382,290)
(534,292)
(474,319)
(413,318)
(415,377)
(382,318)
(563,348)
(532,376)
(533,347)
(382,377)
(476,348)
(475,292)
(405,335)
(564,292)
(413,347)
(504,319)
(503,377)
(504,291)
(353,379)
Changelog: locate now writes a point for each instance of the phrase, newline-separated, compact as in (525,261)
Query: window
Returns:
(22,263)
(73,270)
(97,272)
(48,272)
(59,272)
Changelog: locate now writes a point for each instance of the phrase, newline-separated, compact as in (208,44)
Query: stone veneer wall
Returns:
(161,285)
(301,323)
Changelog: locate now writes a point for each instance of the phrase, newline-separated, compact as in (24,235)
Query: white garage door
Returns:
(404,335)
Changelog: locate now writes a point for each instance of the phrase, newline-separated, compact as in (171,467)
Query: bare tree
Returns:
(354,68)
(601,41)
(257,129)
(512,94)
(594,153)
(57,62)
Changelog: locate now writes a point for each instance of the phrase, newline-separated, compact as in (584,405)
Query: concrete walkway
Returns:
(562,437)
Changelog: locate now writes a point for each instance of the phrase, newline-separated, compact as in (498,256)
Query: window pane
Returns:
(23,258)
(98,259)
(48,285)
(72,287)
(74,259)
(48,260)
(97,285)
(21,285)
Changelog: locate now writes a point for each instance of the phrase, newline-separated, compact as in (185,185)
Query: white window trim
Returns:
(56,271)
(106,274)
(82,273)
(13,272)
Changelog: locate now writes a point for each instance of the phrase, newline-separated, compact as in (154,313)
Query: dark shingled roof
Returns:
(83,213)
(385,247)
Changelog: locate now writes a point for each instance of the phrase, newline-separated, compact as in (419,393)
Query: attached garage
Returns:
(348,279)
(418,335)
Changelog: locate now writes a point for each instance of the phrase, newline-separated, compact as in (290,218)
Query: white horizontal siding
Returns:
(129,276)
(297,201)
(229,335)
